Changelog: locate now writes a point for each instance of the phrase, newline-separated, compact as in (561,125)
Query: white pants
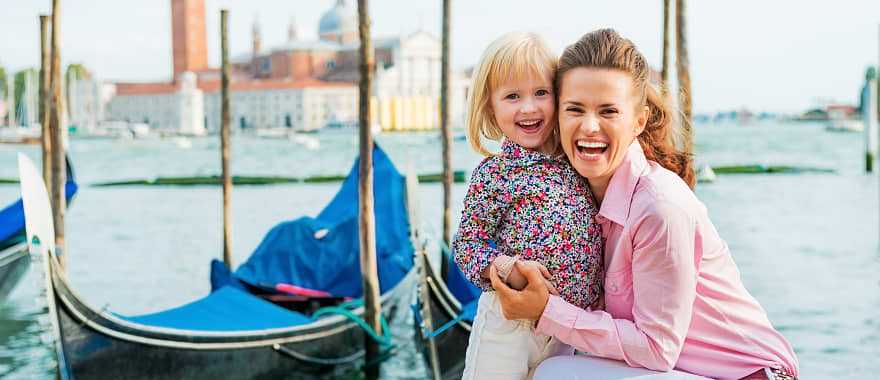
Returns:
(500,349)
(582,367)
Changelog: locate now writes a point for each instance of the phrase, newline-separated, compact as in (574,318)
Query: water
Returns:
(806,244)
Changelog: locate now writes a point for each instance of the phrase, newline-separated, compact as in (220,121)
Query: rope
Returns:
(431,334)
(384,340)
(344,310)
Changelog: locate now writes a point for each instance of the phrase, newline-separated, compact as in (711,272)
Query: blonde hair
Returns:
(511,56)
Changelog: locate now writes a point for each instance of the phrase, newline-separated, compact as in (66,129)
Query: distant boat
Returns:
(840,119)
(706,174)
(257,322)
(182,142)
(845,125)
(20,135)
(308,141)
(14,260)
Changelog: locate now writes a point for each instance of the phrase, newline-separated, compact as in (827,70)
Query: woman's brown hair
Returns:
(605,48)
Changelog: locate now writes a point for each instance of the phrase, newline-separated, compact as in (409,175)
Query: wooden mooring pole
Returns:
(683,75)
(56,131)
(45,136)
(367,223)
(445,128)
(869,117)
(224,137)
(664,73)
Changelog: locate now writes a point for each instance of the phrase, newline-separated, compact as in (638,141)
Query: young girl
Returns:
(524,203)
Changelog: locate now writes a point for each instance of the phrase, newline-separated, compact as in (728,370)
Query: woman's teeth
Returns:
(591,147)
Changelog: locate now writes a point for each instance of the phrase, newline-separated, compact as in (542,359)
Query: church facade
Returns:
(301,85)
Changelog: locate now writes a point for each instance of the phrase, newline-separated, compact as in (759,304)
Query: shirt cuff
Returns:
(558,317)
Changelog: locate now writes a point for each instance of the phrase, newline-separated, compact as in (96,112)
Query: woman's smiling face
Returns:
(599,117)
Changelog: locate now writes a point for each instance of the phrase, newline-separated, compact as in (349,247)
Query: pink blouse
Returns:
(673,294)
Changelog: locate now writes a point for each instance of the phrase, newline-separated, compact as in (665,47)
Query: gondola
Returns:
(447,305)
(245,328)
(14,260)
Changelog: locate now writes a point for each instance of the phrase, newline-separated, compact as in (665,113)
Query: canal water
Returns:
(806,244)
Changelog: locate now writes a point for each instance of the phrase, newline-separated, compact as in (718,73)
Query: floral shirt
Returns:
(535,207)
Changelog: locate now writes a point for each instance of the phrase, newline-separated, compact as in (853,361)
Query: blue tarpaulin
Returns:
(12,217)
(463,290)
(227,309)
(322,253)
(319,253)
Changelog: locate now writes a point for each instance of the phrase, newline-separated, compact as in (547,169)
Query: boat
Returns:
(842,118)
(14,260)
(290,311)
(844,125)
(444,314)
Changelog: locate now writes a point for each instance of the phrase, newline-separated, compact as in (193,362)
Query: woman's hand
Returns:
(518,281)
(526,304)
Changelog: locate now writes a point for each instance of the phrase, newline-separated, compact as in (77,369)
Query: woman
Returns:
(673,295)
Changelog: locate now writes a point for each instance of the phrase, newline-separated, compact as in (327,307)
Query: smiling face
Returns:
(600,115)
(524,110)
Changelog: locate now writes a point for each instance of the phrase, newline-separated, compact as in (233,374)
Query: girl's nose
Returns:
(528,106)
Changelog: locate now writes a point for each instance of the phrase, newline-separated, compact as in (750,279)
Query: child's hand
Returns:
(518,281)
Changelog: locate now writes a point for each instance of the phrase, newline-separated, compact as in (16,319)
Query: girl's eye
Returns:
(610,111)
(542,93)
(512,96)
(573,109)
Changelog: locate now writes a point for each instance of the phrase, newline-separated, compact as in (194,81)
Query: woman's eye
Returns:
(512,96)
(542,93)
(573,109)
(609,111)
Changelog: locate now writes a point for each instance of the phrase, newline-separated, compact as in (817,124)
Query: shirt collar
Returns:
(520,155)
(619,194)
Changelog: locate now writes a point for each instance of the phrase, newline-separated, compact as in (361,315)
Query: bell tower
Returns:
(189,49)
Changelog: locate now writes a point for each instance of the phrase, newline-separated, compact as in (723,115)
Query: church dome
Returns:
(341,19)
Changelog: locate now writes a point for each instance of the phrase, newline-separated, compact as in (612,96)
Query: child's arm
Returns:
(484,206)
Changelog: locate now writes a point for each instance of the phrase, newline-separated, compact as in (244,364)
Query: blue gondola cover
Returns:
(227,309)
(463,290)
(322,253)
(12,217)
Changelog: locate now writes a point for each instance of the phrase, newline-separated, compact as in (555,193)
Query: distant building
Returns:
(178,106)
(302,85)
(87,103)
(26,97)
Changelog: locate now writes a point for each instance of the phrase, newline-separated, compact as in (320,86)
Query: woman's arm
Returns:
(664,288)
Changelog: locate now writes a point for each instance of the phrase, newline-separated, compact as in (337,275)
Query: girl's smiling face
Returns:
(524,109)
(600,115)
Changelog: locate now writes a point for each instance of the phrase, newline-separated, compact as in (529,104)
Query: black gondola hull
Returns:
(98,347)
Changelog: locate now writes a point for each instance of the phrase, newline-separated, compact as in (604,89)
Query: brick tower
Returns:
(188,36)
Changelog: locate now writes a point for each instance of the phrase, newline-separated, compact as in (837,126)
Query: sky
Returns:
(778,56)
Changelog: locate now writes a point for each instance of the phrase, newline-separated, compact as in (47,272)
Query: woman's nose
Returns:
(590,124)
